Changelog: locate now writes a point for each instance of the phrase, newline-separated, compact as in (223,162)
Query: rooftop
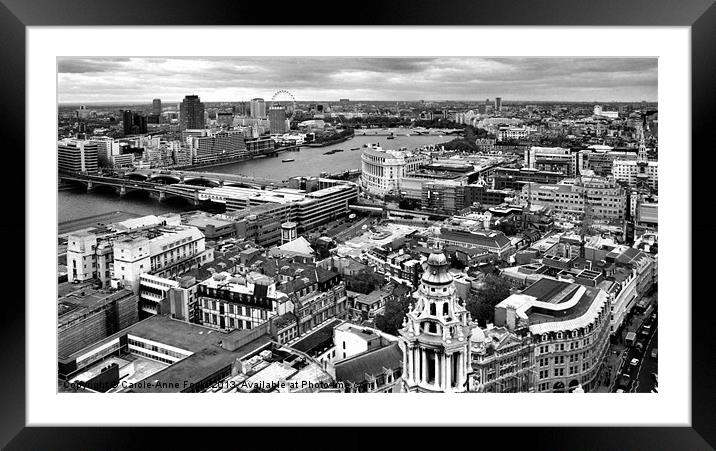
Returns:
(557,302)
(317,341)
(371,362)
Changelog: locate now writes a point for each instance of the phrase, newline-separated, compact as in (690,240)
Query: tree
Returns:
(364,282)
(391,320)
(482,304)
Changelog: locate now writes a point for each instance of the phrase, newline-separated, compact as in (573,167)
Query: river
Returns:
(312,161)
(75,205)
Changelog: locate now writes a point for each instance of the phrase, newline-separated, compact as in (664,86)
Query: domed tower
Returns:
(435,337)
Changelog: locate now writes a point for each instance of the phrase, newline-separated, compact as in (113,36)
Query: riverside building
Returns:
(74,155)
(383,170)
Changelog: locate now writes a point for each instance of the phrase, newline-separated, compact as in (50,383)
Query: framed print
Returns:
(407,216)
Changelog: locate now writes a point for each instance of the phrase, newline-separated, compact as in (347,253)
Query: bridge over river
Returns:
(166,184)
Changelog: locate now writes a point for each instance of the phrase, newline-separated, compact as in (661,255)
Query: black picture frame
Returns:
(16,15)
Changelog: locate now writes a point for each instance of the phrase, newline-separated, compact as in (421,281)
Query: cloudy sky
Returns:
(105,80)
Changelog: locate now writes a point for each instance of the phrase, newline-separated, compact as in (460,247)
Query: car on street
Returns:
(623,382)
(634,362)
(654,353)
(655,378)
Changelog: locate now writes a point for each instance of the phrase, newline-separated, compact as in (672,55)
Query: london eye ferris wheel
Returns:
(285,99)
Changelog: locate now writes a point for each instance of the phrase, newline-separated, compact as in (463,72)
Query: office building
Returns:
(513,178)
(449,172)
(601,161)
(498,103)
(306,209)
(87,314)
(502,361)
(569,324)
(82,112)
(258,108)
(118,254)
(185,357)
(165,251)
(133,123)
(492,241)
(106,149)
(601,197)
(383,170)
(277,119)
(512,133)
(599,111)
(157,107)
(74,155)
(551,159)
(238,302)
(191,113)
(218,146)
(225,119)
(260,223)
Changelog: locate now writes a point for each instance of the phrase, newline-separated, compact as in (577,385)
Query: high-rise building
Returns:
(498,103)
(435,339)
(75,155)
(133,123)
(241,108)
(82,112)
(191,113)
(157,106)
(277,119)
(258,108)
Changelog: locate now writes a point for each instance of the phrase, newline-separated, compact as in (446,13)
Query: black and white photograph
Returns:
(336,218)
(286,224)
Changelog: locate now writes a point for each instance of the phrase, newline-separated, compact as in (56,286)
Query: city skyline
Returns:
(111,80)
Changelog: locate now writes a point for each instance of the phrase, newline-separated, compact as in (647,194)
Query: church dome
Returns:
(437,258)
(437,271)
(478,336)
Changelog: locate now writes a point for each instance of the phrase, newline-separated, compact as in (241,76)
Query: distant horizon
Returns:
(504,102)
(117,80)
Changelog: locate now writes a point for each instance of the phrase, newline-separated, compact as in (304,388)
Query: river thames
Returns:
(75,205)
(312,161)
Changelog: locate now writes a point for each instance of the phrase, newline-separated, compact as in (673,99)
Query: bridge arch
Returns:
(242,185)
(201,181)
(165,179)
(137,176)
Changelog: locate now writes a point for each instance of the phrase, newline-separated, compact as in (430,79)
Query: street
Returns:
(640,374)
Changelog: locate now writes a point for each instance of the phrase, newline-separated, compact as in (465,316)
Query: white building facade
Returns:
(383,170)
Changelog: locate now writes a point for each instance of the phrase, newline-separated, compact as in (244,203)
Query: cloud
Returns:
(328,78)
